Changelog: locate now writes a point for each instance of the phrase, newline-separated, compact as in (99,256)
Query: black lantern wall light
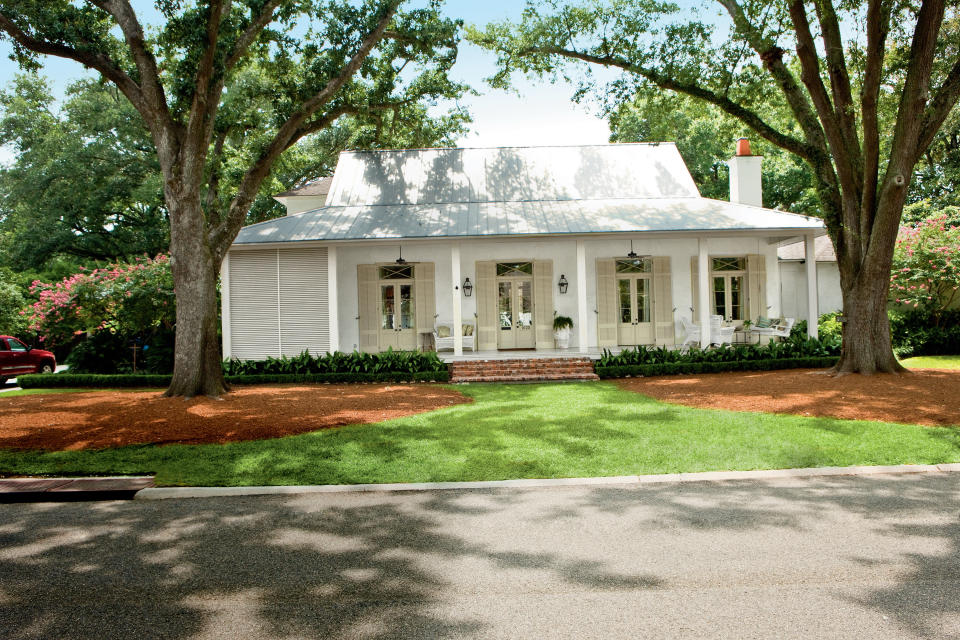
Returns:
(467,287)
(563,284)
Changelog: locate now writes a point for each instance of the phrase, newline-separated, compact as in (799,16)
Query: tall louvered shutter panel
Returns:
(486,305)
(543,303)
(425,296)
(663,301)
(695,286)
(254,330)
(757,286)
(304,301)
(367,307)
(606,302)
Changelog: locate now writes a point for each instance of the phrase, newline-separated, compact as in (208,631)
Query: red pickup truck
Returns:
(17,358)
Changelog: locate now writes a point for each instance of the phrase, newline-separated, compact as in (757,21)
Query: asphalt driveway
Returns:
(865,557)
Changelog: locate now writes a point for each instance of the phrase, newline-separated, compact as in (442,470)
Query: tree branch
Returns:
(745,115)
(940,106)
(288,133)
(839,81)
(251,33)
(878,25)
(97,61)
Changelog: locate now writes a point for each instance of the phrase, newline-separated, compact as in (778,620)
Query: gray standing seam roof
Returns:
(436,193)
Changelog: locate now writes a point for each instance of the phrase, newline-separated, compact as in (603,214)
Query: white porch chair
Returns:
(691,331)
(720,334)
(781,330)
(443,336)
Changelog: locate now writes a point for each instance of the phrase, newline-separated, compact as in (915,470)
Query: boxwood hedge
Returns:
(71,380)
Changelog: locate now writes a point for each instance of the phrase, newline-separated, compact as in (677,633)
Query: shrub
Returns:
(674,368)
(917,332)
(926,266)
(70,380)
(797,346)
(388,361)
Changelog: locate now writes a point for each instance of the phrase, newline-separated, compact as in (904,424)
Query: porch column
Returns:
(457,311)
(582,297)
(225,306)
(703,288)
(813,312)
(332,299)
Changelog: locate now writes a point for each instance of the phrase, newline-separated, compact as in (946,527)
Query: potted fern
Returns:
(561,331)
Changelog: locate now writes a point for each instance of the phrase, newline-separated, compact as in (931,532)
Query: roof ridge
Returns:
(516,146)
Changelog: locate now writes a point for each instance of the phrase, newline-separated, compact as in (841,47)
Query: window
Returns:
(396,272)
(514,268)
(636,265)
(728,278)
(16,345)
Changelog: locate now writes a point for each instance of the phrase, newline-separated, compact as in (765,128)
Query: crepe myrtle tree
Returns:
(867,85)
(307,63)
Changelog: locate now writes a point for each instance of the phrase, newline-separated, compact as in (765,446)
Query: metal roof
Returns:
(822,249)
(319,187)
(435,193)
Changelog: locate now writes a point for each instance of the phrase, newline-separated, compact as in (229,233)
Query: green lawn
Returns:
(520,431)
(932,362)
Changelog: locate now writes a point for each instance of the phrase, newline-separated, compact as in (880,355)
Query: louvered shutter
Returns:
(606,302)
(304,304)
(663,301)
(367,306)
(543,303)
(695,286)
(425,295)
(486,306)
(254,324)
(757,287)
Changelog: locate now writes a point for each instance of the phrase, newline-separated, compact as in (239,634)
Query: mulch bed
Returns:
(929,397)
(98,419)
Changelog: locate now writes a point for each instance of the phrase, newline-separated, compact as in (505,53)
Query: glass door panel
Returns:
(523,322)
(387,306)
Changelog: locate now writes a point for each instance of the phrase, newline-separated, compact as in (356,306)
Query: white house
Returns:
(617,237)
(793,278)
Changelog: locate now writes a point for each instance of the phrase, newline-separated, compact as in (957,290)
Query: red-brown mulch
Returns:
(98,419)
(928,397)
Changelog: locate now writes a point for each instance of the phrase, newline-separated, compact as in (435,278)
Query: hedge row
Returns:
(71,380)
(672,368)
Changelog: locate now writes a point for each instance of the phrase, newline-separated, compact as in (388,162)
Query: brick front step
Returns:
(527,370)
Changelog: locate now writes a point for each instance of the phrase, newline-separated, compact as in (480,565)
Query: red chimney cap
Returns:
(743,147)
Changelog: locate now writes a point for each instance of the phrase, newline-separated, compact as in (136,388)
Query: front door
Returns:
(635,320)
(397,324)
(515,313)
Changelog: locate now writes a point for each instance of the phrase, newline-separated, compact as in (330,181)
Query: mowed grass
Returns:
(520,431)
(932,362)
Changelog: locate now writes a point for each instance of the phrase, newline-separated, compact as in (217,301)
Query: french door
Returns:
(397,319)
(635,320)
(515,313)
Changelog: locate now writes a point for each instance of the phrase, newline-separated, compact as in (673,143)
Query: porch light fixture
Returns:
(467,287)
(632,254)
(400,260)
(563,284)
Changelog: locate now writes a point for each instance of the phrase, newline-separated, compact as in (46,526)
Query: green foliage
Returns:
(13,320)
(674,368)
(105,352)
(388,361)
(704,136)
(917,332)
(926,265)
(84,181)
(562,322)
(792,348)
(98,381)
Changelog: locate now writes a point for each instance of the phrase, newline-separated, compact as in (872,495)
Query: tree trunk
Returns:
(197,366)
(866,331)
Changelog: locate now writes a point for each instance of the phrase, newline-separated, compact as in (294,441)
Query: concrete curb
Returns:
(72,489)
(164,493)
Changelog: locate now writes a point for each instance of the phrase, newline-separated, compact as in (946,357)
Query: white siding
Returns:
(254,320)
(304,307)
(793,281)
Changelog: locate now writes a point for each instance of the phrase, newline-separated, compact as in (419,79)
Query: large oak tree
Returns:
(832,67)
(225,88)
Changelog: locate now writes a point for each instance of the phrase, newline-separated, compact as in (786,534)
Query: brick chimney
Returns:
(745,186)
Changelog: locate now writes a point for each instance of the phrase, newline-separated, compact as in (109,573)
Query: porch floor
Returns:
(593,354)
